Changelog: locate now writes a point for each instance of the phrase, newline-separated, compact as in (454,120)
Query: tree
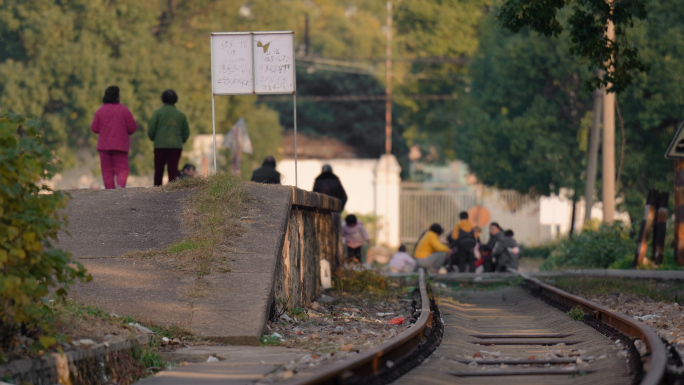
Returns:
(63,55)
(519,126)
(510,118)
(31,216)
(587,23)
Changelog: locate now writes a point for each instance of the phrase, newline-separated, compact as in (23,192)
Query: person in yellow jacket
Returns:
(430,253)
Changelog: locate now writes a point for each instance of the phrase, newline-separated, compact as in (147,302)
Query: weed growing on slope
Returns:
(211,218)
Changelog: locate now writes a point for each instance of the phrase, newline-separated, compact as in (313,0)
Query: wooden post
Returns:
(679,211)
(609,140)
(646,225)
(660,228)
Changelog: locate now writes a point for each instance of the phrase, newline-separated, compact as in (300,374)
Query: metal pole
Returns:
(609,143)
(388,120)
(660,228)
(679,211)
(213,108)
(590,183)
(388,79)
(294,98)
(294,101)
(646,226)
(213,126)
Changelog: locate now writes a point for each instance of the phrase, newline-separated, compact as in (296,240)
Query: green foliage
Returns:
(149,357)
(523,124)
(57,59)
(182,246)
(669,263)
(299,313)
(592,249)
(358,281)
(30,217)
(518,127)
(576,313)
(538,251)
(587,25)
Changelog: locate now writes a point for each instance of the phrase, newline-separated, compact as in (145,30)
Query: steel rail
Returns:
(371,362)
(656,362)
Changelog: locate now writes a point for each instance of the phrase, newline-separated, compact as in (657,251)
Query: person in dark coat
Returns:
(462,239)
(506,252)
(267,172)
(495,235)
(329,184)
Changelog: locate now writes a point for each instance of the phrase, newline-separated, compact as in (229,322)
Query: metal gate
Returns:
(422,204)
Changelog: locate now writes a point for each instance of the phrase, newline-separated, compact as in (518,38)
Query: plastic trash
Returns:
(326,277)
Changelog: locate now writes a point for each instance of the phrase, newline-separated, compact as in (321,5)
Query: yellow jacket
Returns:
(428,244)
(464,226)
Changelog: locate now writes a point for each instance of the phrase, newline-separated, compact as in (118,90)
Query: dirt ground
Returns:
(338,325)
(654,302)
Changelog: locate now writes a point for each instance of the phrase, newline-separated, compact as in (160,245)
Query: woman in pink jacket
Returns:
(113,123)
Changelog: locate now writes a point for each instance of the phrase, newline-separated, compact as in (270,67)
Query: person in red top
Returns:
(113,122)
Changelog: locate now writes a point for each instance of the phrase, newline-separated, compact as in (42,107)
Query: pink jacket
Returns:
(354,235)
(114,123)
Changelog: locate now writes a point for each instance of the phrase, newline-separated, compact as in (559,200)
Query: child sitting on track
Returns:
(401,262)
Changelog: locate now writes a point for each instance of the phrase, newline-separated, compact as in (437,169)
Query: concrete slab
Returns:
(240,365)
(110,223)
(105,224)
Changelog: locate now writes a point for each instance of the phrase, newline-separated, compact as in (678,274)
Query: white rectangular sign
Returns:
(274,63)
(253,62)
(232,64)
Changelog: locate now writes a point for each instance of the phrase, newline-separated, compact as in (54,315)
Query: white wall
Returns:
(357,177)
(372,186)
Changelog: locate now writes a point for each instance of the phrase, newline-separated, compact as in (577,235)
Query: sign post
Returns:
(676,152)
(253,63)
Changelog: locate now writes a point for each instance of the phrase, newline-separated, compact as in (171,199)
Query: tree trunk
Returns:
(572,220)
(590,182)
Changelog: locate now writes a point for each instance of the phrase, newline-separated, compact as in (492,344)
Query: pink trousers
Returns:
(114,163)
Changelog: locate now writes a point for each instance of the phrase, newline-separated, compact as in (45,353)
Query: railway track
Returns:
(516,335)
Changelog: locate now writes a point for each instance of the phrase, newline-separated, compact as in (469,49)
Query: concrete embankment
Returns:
(283,235)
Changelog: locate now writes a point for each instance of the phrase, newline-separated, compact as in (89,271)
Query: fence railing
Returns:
(421,204)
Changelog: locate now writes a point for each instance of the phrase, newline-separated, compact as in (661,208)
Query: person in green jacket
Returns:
(168,129)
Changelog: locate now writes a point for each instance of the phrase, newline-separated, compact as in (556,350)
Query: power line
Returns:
(358,98)
(334,68)
(429,60)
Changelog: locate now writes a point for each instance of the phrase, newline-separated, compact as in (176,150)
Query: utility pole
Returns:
(609,141)
(590,184)
(388,79)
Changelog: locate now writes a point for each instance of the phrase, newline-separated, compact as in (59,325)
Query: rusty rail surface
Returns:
(371,362)
(656,362)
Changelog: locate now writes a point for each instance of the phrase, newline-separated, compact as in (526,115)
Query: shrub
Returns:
(359,281)
(30,217)
(669,263)
(538,251)
(576,313)
(598,248)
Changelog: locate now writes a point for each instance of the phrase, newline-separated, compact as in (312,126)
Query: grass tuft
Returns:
(211,218)
(576,313)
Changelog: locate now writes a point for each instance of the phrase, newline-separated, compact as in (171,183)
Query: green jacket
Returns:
(168,127)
